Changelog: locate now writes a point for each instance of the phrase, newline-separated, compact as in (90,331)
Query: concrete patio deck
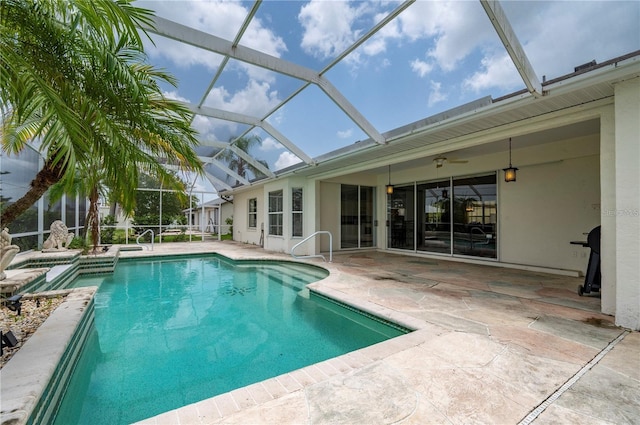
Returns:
(492,345)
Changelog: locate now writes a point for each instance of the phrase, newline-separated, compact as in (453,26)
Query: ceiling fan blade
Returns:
(457,161)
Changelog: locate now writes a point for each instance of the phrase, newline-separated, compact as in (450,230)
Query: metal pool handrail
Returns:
(317,255)
(153,236)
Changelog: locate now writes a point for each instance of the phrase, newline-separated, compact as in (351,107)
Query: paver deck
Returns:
(492,345)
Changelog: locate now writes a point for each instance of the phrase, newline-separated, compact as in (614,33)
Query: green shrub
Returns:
(106,233)
(79,243)
(229,221)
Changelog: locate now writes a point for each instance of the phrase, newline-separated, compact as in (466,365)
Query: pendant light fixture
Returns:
(510,172)
(389,186)
(469,205)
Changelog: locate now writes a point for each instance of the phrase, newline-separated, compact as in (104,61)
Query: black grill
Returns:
(592,278)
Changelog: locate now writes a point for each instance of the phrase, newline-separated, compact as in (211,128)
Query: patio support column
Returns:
(607,202)
(627,206)
(310,217)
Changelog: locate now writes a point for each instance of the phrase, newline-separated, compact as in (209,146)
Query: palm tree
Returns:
(88,183)
(91,181)
(237,163)
(73,78)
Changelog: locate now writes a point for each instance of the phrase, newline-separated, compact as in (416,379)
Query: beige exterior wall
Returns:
(627,203)
(241,230)
(550,205)
(277,243)
(330,213)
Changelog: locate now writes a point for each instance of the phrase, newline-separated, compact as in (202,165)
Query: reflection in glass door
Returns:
(434,225)
(454,219)
(366,216)
(401,218)
(356,216)
(475,216)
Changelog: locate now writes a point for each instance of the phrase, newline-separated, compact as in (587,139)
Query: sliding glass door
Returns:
(401,218)
(434,227)
(475,216)
(455,216)
(357,208)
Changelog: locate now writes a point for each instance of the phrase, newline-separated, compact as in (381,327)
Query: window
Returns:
(253,213)
(296,211)
(275,213)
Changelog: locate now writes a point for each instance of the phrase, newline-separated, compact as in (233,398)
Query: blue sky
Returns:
(434,56)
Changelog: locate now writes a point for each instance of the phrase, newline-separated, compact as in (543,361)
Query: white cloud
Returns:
(557,36)
(182,55)
(175,96)
(436,94)
(375,46)
(270,144)
(286,159)
(202,124)
(581,31)
(220,18)
(497,72)
(459,30)
(345,134)
(452,31)
(421,68)
(255,99)
(207,128)
(327,27)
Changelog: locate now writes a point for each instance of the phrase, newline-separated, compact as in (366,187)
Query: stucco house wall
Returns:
(241,230)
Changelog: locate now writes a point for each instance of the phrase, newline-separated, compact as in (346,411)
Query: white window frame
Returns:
(295,212)
(276,207)
(252,214)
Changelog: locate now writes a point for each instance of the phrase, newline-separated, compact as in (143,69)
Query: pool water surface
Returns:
(168,333)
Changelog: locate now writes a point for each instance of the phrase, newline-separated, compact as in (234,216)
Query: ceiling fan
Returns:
(440,160)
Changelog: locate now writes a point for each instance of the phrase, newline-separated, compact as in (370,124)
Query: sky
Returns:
(433,56)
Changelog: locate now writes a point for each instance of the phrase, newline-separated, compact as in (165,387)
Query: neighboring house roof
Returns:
(214,203)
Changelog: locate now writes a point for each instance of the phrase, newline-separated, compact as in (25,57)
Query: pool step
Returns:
(131,248)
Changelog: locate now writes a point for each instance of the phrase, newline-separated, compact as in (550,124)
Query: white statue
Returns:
(8,251)
(59,238)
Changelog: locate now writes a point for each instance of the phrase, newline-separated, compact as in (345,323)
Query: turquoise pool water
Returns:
(170,333)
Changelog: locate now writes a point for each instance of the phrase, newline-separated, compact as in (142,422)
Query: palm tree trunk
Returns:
(47,177)
(93,218)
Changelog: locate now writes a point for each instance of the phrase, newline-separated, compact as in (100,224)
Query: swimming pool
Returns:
(172,332)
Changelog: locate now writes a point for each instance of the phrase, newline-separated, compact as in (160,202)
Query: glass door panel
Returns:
(366,216)
(349,216)
(434,224)
(475,216)
(401,218)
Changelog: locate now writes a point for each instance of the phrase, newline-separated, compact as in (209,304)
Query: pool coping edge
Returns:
(26,376)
